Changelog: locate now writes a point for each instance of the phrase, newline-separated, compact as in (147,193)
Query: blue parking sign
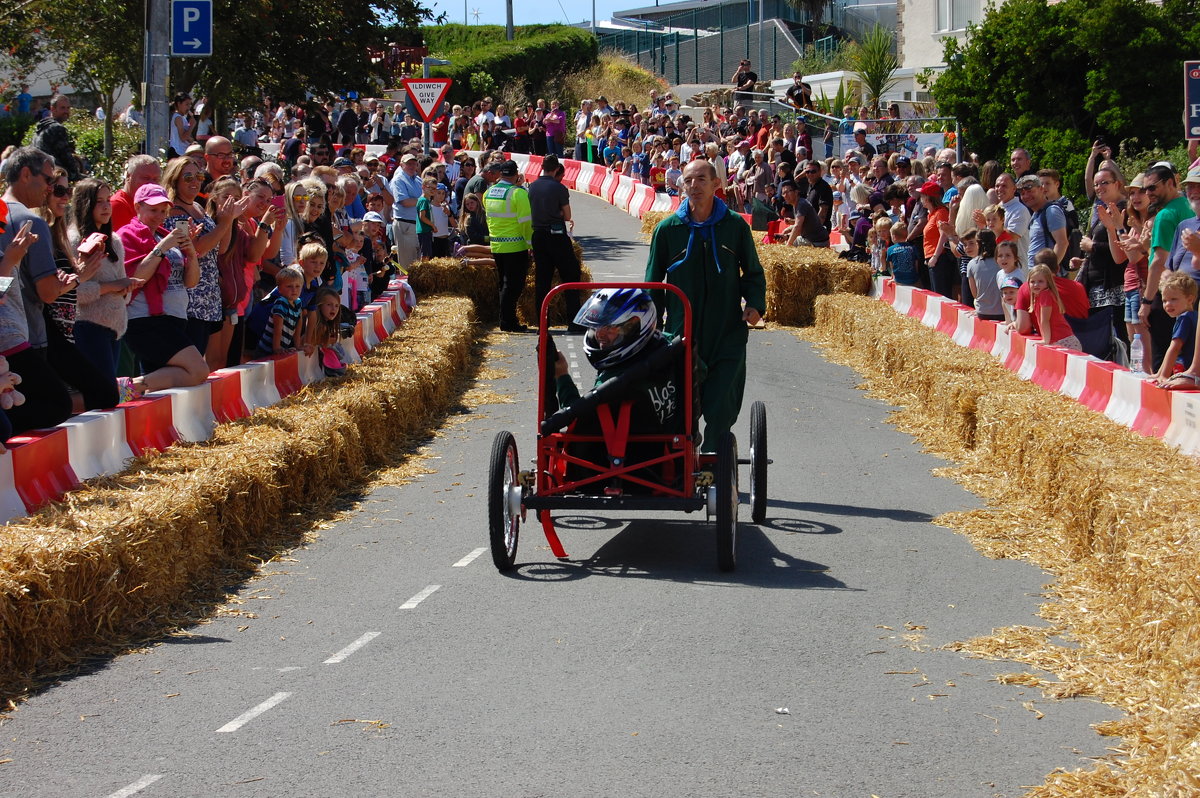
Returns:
(191,28)
(1191,99)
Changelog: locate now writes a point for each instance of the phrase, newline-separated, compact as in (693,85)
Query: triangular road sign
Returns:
(427,95)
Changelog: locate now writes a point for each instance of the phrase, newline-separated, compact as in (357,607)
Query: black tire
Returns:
(758,462)
(504,526)
(725,476)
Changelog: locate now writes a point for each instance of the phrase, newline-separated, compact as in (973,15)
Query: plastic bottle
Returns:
(1136,353)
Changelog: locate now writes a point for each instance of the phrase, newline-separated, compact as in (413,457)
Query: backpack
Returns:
(1074,232)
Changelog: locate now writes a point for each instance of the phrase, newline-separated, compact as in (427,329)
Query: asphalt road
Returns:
(390,658)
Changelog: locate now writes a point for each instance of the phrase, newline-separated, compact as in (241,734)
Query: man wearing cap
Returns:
(510,234)
(24,332)
(860,140)
(550,208)
(708,252)
(743,83)
(406,190)
(1047,223)
(343,165)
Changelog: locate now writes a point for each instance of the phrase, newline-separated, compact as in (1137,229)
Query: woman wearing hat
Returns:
(943,272)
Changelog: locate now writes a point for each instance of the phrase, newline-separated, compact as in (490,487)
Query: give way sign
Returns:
(427,95)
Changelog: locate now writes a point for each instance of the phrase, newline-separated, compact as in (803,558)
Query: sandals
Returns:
(128,390)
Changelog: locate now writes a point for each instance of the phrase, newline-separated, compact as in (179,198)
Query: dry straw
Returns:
(1108,512)
(479,283)
(128,556)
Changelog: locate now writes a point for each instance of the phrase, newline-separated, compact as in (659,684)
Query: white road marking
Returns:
(250,714)
(470,558)
(417,599)
(137,786)
(350,649)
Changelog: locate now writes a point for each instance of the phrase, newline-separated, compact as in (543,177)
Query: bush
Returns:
(455,39)
(521,63)
(13,128)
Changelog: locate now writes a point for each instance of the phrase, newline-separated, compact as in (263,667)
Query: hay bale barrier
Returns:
(1105,510)
(449,276)
(128,557)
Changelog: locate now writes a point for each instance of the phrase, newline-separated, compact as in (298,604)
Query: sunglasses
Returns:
(62,191)
(193,177)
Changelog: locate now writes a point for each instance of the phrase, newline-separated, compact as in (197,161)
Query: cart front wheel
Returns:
(758,462)
(504,501)
(725,475)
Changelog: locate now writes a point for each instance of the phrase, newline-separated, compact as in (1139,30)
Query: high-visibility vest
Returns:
(510,223)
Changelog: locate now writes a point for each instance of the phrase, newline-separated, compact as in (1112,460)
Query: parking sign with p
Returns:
(1191,99)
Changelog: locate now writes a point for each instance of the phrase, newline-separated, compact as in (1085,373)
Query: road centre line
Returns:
(350,649)
(470,558)
(417,599)
(137,786)
(250,714)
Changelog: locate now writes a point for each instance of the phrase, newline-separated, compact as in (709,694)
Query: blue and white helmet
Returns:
(631,311)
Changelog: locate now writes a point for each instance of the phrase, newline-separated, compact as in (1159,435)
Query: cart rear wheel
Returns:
(758,462)
(504,501)
(725,475)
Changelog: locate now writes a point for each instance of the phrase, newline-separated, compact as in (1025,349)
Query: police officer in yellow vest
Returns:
(510,229)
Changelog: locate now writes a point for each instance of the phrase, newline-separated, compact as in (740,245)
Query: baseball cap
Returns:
(1193,175)
(931,188)
(860,127)
(903,160)
(509,168)
(342,162)
(408,156)
(151,194)
(1029,181)
(372,216)
(1137,181)
(1011,281)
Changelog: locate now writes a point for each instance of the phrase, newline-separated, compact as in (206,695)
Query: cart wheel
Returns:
(758,462)
(725,475)
(504,496)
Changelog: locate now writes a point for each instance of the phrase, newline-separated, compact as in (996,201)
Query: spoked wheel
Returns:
(504,501)
(725,476)
(758,462)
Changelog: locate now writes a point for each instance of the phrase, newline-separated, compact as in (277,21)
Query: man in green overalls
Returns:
(708,251)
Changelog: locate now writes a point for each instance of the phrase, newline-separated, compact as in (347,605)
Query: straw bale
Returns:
(442,276)
(796,276)
(130,555)
(1106,511)
(650,221)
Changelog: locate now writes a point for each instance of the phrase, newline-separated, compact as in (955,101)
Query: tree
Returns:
(1052,78)
(873,61)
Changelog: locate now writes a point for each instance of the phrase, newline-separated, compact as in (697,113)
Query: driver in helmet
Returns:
(622,328)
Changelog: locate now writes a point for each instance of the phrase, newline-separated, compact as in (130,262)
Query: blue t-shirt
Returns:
(290,313)
(903,263)
(1041,229)
(1185,329)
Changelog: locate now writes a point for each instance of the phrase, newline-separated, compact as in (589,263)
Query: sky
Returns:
(528,12)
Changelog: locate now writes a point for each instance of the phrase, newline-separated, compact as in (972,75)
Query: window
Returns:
(955,14)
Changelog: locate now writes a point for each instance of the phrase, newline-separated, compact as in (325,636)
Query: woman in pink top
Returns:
(556,129)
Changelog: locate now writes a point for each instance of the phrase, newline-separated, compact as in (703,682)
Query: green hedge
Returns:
(528,61)
(452,39)
(13,128)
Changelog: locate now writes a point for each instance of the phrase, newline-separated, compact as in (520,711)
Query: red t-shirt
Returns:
(1074,298)
(122,209)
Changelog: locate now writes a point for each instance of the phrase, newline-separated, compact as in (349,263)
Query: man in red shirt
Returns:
(139,170)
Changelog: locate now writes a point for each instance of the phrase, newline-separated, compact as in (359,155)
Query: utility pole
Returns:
(508,23)
(156,75)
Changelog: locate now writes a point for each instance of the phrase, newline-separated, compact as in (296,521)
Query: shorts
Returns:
(1133,303)
(157,339)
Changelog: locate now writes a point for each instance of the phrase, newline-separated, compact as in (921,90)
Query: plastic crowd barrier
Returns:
(1104,387)
(42,465)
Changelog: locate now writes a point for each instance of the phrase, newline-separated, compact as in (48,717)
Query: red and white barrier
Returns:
(96,443)
(41,466)
(192,412)
(11,504)
(1131,400)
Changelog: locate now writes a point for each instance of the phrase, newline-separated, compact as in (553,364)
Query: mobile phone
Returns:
(5,282)
(92,243)
(25,228)
(183,226)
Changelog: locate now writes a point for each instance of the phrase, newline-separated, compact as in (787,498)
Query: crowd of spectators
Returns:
(216,253)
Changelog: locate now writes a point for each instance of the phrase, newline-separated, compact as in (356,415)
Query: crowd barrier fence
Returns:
(41,466)
(1128,399)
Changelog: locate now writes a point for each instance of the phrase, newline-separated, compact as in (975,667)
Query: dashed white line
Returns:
(137,786)
(250,714)
(417,599)
(350,649)
(470,558)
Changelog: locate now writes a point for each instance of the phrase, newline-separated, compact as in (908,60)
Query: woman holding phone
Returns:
(100,317)
(182,179)
(166,262)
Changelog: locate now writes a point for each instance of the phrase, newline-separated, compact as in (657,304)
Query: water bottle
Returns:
(1136,353)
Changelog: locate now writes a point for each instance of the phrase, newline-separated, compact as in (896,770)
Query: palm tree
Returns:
(873,62)
(814,8)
